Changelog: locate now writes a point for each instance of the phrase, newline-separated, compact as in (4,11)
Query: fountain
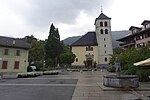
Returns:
(120,81)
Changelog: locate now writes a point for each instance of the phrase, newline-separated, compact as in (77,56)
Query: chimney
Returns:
(14,42)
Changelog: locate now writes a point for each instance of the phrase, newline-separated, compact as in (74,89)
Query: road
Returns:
(40,88)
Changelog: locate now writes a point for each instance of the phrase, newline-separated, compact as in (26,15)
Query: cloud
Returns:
(39,14)
(43,12)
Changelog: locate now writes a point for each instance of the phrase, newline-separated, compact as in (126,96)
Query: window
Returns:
(106,31)
(105,51)
(16,65)
(148,34)
(105,24)
(105,59)
(89,48)
(76,59)
(4,64)
(101,24)
(6,52)
(101,31)
(17,52)
(104,39)
(104,45)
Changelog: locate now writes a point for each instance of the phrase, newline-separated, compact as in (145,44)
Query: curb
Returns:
(104,88)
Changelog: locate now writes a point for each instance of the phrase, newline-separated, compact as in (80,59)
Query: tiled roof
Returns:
(88,39)
(134,27)
(145,22)
(102,16)
(14,42)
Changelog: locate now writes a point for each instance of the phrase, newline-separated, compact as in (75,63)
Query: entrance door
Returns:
(89,62)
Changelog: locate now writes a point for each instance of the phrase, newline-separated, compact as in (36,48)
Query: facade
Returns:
(138,36)
(13,55)
(95,47)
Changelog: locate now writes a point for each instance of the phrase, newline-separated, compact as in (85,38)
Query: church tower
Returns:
(104,39)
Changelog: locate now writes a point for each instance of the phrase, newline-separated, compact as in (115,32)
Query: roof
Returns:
(89,39)
(14,42)
(145,22)
(134,27)
(102,16)
(132,35)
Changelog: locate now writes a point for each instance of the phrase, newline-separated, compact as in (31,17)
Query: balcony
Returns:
(128,43)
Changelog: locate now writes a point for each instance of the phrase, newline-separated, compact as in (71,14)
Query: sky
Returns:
(19,18)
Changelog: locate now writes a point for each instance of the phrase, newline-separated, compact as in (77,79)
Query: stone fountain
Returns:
(120,81)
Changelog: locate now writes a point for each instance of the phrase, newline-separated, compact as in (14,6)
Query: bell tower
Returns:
(104,39)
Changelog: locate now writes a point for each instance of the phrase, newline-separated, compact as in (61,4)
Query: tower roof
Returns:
(102,16)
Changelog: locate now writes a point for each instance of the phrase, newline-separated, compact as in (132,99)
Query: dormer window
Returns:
(147,26)
(101,24)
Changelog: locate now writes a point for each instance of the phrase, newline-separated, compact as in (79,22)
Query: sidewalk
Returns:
(90,87)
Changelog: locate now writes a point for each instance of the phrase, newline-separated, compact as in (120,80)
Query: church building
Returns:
(95,47)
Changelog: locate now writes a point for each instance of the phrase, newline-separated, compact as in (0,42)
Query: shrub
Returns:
(143,74)
(111,69)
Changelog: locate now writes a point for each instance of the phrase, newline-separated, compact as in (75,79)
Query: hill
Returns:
(115,35)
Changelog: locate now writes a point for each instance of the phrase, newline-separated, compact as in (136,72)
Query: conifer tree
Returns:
(53,47)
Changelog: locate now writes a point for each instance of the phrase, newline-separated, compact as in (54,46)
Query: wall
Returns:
(11,58)
(80,52)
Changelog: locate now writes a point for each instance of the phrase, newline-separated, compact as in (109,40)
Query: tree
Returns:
(67,58)
(131,56)
(53,46)
(36,53)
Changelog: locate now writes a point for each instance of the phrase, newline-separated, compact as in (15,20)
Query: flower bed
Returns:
(50,73)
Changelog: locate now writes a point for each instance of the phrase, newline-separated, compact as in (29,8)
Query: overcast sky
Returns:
(19,18)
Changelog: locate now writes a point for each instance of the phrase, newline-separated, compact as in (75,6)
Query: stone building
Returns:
(95,47)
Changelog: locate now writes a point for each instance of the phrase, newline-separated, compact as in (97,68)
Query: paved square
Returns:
(37,89)
(65,86)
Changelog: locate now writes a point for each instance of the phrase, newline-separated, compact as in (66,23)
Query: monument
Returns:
(120,81)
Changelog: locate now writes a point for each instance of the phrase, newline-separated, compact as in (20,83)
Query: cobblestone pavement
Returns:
(88,89)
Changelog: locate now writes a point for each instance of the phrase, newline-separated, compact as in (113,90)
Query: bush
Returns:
(111,69)
(143,74)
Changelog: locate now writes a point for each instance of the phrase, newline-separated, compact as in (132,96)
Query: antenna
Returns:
(101,9)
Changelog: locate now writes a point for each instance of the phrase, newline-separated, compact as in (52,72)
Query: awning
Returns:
(143,63)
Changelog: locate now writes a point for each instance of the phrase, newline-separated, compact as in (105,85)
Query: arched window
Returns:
(76,59)
(106,31)
(101,24)
(105,59)
(101,31)
(105,24)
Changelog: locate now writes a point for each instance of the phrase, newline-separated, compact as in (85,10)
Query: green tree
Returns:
(36,53)
(67,58)
(53,46)
(131,56)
